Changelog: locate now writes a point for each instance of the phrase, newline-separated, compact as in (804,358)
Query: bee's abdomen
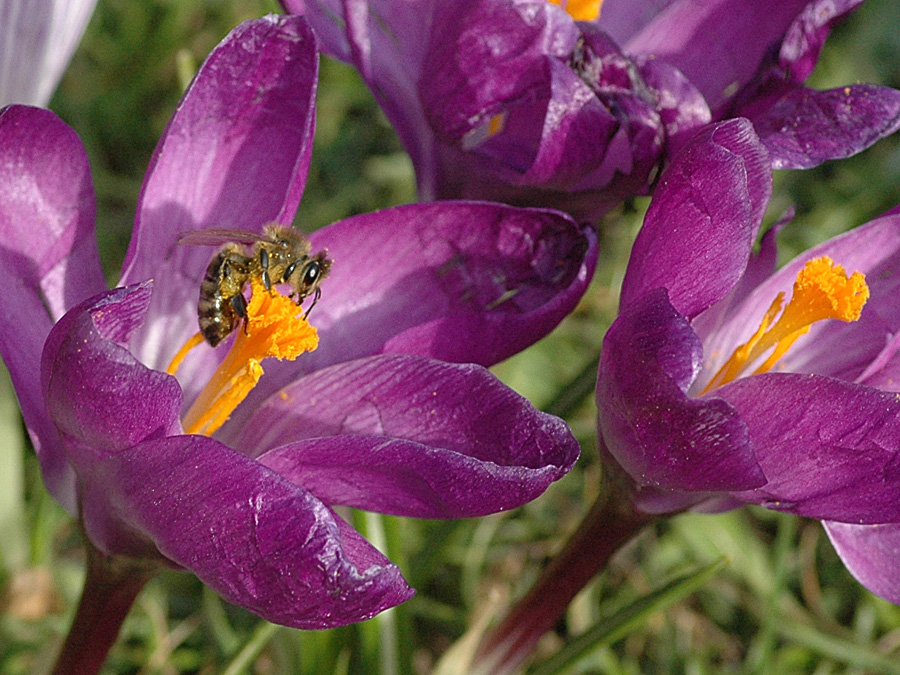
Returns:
(215,312)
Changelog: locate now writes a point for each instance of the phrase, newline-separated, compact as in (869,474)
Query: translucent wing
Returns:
(219,236)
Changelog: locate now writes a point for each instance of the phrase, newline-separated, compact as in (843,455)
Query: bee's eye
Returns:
(289,270)
(312,273)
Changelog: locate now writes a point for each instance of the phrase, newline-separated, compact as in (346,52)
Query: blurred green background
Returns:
(783,603)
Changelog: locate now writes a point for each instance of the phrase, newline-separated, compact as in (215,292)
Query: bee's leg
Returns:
(239,304)
(316,297)
(264,265)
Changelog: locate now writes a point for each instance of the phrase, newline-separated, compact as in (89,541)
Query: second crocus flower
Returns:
(578,105)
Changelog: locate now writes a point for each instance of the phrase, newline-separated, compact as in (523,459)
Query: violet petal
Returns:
(807,127)
(99,396)
(871,553)
(703,219)
(830,449)
(37,39)
(456,281)
(658,434)
(234,155)
(411,436)
(48,255)
(733,35)
(253,537)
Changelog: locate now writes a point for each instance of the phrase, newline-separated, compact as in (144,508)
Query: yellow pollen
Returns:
(274,326)
(580,10)
(822,291)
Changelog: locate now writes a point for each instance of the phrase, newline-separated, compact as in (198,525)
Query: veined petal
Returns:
(830,449)
(411,436)
(256,539)
(98,395)
(49,259)
(732,34)
(456,281)
(703,219)
(871,553)
(386,42)
(803,41)
(658,434)
(235,155)
(490,55)
(37,39)
(806,127)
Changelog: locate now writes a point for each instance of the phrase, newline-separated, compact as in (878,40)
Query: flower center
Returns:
(822,291)
(274,326)
(580,10)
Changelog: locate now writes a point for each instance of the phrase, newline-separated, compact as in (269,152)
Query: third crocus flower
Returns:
(577,105)
(724,381)
(227,461)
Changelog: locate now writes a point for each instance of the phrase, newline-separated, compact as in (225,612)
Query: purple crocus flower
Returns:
(516,100)
(372,419)
(37,39)
(724,381)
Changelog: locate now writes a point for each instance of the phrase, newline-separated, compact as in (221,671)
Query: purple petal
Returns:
(253,537)
(37,39)
(872,554)
(805,38)
(659,435)
(411,436)
(235,155)
(490,56)
(830,449)
(48,257)
(386,42)
(99,396)
(807,127)
(718,45)
(703,219)
(456,281)
(236,152)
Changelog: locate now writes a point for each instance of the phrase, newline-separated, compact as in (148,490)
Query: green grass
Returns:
(781,603)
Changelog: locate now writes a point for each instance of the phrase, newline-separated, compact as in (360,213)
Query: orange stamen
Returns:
(822,291)
(274,326)
(580,10)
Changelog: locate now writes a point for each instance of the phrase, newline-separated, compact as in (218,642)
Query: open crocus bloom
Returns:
(371,419)
(37,39)
(576,104)
(724,381)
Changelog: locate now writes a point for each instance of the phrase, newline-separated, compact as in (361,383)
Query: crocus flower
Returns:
(524,102)
(371,419)
(723,381)
(37,39)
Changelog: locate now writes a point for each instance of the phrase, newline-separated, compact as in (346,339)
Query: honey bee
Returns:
(280,255)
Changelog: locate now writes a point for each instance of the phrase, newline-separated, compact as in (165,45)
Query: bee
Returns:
(280,255)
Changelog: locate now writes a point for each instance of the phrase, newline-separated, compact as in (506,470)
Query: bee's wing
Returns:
(219,236)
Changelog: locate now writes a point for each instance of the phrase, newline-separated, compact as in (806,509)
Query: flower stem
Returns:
(110,588)
(611,522)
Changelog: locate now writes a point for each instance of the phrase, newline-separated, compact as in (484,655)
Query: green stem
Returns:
(110,588)
(611,522)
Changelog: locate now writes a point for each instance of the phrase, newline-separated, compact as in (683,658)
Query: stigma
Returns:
(580,10)
(822,291)
(274,326)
